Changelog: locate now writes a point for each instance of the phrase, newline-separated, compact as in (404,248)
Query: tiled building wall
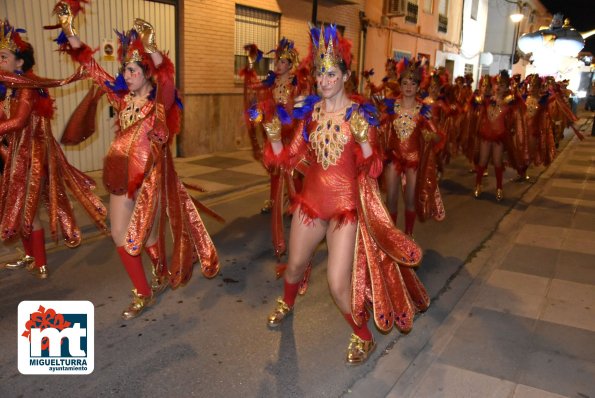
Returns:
(212,97)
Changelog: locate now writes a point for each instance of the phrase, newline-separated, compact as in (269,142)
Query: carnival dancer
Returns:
(35,169)
(500,126)
(540,133)
(444,111)
(389,88)
(275,96)
(340,201)
(560,111)
(463,94)
(412,143)
(138,168)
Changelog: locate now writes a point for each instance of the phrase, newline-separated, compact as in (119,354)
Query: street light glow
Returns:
(516,18)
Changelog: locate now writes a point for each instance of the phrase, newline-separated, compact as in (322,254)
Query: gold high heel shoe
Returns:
(499,194)
(158,282)
(23,262)
(138,305)
(359,350)
(282,310)
(38,272)
(477,191)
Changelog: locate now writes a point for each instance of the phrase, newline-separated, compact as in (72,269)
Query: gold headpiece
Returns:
(133,56)
(286,50)
(327,55)
(6,40)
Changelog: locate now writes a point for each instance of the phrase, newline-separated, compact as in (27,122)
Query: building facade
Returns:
(212,36)
(412,28)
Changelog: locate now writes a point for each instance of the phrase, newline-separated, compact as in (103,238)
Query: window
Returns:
(411,13)
(259,27)
(429,6)
(469,69)
(474,8)
(443,16)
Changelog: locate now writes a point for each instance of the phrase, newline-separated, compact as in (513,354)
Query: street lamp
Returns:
(516,18)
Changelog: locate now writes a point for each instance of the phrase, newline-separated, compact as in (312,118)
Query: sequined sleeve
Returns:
(19,119)
(84,56)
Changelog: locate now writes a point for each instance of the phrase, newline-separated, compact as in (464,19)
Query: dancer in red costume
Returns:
(272,98)
(138,169)
(340,201)
(35,169)
(411,148)
(500,126)
(441,98)
(540,132)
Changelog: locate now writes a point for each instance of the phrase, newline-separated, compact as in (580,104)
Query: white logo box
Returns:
(46,323)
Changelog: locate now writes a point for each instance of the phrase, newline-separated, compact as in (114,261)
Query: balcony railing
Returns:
(411,15)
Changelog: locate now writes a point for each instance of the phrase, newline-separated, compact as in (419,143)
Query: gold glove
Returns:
(359,127)
(65,18)
(273,129)
(147,35)
(428,135)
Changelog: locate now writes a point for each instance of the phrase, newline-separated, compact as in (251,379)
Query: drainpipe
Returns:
(362,47)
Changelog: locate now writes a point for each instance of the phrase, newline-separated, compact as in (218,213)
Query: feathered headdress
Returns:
(438,77)
(286,50)
(10,38)
(390,65)
(502,78)
(411,69)
(533,80)
(329,48)
(131,49)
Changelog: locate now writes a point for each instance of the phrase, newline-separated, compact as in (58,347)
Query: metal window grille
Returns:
(442,23)
(260,27)
(468,69)
(411,15)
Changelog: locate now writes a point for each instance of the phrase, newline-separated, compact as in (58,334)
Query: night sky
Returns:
(581,14)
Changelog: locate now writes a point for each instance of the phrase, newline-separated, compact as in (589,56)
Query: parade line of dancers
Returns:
(342,158)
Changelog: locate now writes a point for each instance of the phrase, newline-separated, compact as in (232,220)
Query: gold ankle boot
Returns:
(266,208)
(499,194)
(282,310)
(477,191)
(38,272)
(23,262)
(158,284)
(137,306)
(359,350)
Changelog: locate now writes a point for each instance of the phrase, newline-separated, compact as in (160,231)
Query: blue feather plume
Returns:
(270,79)
(284,117)
(306,108)
(61,39)
(118,86)
(390,105)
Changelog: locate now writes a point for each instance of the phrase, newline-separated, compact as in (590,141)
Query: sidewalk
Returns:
(519,319)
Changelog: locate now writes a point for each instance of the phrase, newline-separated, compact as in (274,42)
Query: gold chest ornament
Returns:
(282,90)
(328,140)
(404,122)
(494,111)
(133,111)
(532,106)
(6,103)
